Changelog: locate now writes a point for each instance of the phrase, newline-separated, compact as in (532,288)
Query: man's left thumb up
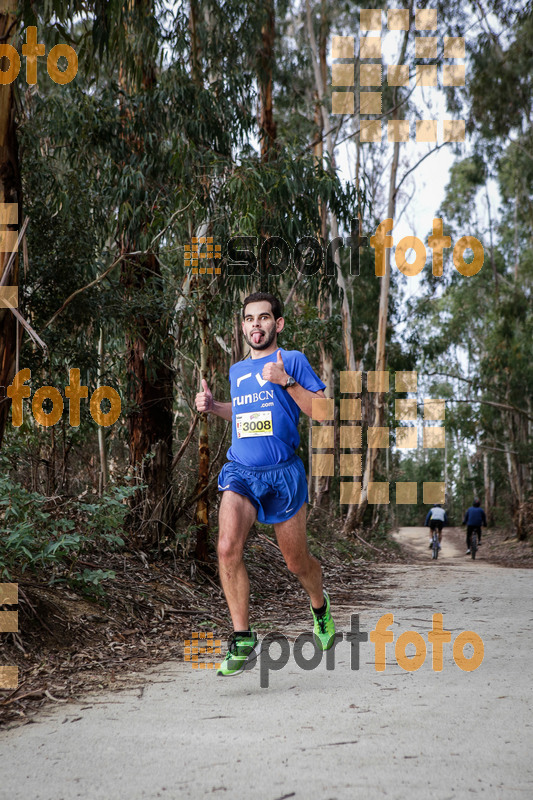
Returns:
(280,360)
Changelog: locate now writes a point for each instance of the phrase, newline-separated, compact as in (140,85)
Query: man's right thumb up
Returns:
(205,387)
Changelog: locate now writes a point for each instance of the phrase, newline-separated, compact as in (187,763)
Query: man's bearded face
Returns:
(259,326)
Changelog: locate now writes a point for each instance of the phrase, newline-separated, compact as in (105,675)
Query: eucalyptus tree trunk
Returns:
(487,488)
(513,465)
(470,469)
(459,451)
(201,285)
(524,427)
(150,423)
(516,250)
(322,482)
(446,477)
(202,505)
(346,313)
(237,350)
(356,513)
(150,383)
(267,125)
(512,472)
(195,43)
(10,192)
(104,469)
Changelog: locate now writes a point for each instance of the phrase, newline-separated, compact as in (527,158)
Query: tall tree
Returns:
(150,375)
(10,192)
(356,513)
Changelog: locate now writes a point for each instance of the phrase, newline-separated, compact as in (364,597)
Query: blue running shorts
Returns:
(277,492)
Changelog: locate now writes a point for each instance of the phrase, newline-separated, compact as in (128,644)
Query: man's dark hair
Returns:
(477,503)
(275,304)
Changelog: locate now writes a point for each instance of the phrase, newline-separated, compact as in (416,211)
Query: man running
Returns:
(474,518)
(436,518)
(264,478)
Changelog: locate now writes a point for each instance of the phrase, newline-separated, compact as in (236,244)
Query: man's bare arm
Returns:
(222,410)
(275,372)
(304,398)
(205,403)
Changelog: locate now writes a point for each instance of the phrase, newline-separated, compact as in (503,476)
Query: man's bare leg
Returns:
(292,540)
(235,518)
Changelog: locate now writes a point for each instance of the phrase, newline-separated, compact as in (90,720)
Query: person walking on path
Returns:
(264,478)
(436,518)
(474,518)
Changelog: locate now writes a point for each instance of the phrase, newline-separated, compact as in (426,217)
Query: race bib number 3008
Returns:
(255,423)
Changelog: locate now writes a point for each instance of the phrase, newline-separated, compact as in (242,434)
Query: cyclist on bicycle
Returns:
(474,518)
(436,519)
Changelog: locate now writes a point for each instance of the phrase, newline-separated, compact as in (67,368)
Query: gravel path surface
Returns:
(325,734)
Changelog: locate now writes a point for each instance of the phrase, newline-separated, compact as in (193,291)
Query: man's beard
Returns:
(263,343)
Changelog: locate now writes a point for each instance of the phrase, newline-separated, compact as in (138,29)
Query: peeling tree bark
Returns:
(355,514)
(267,125)
(346,313)
(202,506)
(150,425)
(10,192)
(104,469)
(237,351)
(320,489)
(150,386)
(488,488)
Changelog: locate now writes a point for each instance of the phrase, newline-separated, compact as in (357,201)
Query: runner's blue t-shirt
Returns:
(264,415)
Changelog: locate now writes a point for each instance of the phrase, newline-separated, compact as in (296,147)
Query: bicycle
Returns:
(435,544)
(474,541)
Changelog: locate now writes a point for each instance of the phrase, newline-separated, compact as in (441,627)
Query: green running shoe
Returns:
(243,649)
(324,629)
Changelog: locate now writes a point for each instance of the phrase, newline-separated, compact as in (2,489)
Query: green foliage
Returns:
(466,178)
(36,539)
(477,332)
(138,153)
(90,581)
(500,89)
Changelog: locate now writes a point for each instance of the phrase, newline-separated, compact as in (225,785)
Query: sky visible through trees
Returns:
(216,120)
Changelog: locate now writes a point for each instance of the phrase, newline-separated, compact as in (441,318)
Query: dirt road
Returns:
(325,734)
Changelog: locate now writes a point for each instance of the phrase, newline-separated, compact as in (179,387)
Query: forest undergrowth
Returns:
(92,618)
(89,616)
